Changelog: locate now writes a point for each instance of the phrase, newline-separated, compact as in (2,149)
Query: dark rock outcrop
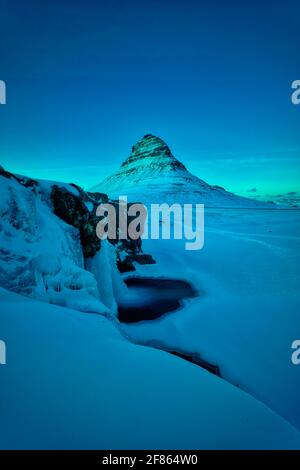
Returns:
(73,211)
(23,180)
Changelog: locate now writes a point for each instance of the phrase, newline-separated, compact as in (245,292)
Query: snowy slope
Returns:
(152,174)
(72,382)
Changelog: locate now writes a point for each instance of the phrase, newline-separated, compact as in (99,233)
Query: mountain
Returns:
(152,174)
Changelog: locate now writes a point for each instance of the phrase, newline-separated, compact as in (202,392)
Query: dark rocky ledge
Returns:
(72,210)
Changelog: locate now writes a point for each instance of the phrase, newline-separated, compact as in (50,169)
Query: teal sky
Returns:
(86,80)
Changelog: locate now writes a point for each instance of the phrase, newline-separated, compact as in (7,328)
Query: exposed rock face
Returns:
(158,153)
(128,250)
(152,174)
(73,211)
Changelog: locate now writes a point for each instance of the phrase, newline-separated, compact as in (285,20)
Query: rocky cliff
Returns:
(49,249)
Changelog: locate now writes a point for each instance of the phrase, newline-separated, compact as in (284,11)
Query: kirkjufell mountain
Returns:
(152,174)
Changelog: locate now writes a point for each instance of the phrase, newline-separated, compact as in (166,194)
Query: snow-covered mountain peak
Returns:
(150,145)
(151,173)
(151,152)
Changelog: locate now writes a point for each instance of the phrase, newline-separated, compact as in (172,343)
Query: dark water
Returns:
(153,298)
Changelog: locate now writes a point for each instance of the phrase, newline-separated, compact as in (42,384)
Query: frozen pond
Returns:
(149,298)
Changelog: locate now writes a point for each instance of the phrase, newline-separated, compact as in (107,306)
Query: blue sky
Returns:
(86,79)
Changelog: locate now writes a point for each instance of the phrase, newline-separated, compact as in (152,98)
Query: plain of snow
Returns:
(73,382)
(247,313)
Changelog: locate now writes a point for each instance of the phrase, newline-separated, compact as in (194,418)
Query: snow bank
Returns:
(72,382)
(104,268)
(41,256)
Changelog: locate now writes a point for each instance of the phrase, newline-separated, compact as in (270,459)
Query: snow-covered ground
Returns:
(247,312)
(74,379)
(73,382)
